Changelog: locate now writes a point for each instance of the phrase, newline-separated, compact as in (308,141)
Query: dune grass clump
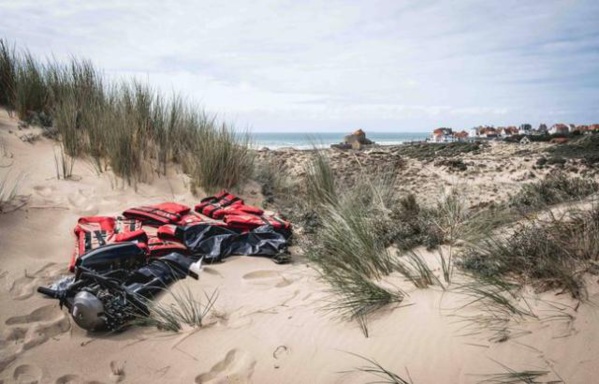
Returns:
(224,158)
(63,163)
(555,188)
(499,306)
(382,374)
(351,259)
(8,74)
(350,243)
(356,297)
(124,126)
(431,152)
(410,225)
(446,221)
(320,181)
(417,271)
(185,309)
(347,248)
(510,375)
(513,377)
(8,191)
(550,253)
(585,148)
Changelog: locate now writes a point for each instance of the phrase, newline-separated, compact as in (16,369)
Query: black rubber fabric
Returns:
(215,242)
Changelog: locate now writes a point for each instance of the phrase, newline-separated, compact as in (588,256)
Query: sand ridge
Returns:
(268,324)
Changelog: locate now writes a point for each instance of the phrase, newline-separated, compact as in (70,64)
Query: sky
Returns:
(316,66)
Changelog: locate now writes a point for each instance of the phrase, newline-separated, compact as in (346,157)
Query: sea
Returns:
(300,140)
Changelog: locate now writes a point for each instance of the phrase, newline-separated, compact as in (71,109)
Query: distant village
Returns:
(446,135)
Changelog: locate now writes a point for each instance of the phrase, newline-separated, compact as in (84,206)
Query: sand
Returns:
(268,324)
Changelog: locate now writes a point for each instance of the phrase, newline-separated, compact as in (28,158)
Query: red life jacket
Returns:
(247,222)
(190,219)
(95,231)
(158,214)
(216,207)
(158,247)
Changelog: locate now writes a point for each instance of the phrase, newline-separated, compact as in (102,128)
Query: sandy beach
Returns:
(269,324)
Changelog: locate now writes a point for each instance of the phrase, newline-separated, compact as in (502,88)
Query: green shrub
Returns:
(548,254)
(585,148)
(555,188)
(434,151)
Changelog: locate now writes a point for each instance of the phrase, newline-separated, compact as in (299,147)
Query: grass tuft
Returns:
(63,163)
(320,181)
(415,269)
(185,309)
(347,248)
(511,376)
(8,192)
(355,297)
(381,373)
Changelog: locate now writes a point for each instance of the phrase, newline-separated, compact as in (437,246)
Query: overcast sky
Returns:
(338,65)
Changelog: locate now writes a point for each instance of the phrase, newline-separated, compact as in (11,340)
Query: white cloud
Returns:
(337,64)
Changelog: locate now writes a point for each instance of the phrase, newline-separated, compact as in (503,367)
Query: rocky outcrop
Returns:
(356,140)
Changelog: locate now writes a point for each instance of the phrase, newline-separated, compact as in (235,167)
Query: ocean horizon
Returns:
(301,140)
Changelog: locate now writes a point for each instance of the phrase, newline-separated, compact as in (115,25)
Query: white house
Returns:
(558,128)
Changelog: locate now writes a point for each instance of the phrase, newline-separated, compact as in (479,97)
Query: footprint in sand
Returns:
(82,204)
(25,287)
(74,379)
(211,271)
(44,190)
(117,371)
(236,367)
(234,320)
(28,331)
(27,373)
(267,278)
(280,354)
(45,313)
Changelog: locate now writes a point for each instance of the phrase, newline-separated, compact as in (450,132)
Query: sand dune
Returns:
(268,325)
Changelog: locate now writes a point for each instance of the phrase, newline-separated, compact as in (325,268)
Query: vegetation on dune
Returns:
(555,188)
(126,127)
(512,376)
(185,309)
(550,253)
(435,151)
(8,191)
(583,147)
(382,374)
(346,248)
(348,232)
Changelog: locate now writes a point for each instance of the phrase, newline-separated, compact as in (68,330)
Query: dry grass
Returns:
(382,374)
(125,126)
(9,187)
(548,253)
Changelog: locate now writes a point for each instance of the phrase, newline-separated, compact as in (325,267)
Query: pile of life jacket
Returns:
(218,226)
